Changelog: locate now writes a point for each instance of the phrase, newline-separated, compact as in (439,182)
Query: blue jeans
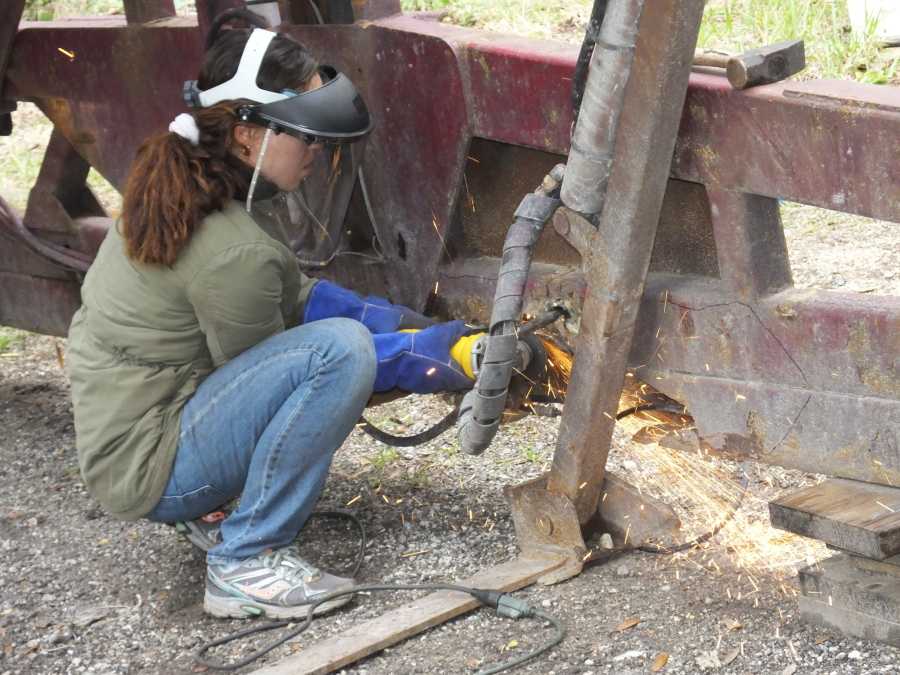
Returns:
(265,426)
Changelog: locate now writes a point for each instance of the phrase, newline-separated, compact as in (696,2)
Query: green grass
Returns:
(384,458)
(10,338)
(728,25)
(559,19)
(48,10)
(531,455)
(832,49)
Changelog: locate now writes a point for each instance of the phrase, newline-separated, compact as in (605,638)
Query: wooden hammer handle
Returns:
(711,59)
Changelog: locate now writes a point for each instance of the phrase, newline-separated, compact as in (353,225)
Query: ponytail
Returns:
(173,185)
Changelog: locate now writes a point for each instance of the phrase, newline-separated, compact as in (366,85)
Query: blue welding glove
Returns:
(420,361)
(327,300)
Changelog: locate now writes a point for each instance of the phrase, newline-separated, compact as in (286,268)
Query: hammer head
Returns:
(766,64)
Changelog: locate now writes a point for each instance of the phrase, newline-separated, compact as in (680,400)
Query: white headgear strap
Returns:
(243,84)
(186,126)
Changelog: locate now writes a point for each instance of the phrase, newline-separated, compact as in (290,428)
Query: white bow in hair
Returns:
(186,126)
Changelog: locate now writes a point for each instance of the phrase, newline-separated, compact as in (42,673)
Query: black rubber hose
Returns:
(416,439)
(482,407)
(589,164)
(591,35)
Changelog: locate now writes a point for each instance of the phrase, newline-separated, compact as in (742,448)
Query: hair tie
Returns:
(186,126)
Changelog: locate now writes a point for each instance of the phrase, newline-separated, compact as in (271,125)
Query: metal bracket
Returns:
(547,524)
(575,229)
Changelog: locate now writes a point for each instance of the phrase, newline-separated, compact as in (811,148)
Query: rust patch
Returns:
(880,379)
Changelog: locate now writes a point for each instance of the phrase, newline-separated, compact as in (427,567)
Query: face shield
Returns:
(334,113)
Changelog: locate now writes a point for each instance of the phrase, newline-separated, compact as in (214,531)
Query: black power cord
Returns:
(416,439)
(504,603)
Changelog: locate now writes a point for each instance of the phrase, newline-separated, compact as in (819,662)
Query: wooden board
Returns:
(860,518)
(410,619)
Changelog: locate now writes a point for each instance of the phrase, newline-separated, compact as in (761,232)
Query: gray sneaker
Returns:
(204,531)
(276,584)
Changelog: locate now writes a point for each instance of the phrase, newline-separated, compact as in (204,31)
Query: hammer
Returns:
(758,66)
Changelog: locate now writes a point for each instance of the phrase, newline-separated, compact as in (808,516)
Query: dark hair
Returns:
(172,184)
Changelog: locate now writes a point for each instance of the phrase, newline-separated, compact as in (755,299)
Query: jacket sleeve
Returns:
(237,297)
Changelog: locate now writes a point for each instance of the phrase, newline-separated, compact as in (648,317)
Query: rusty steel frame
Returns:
(813,375)
(618,254)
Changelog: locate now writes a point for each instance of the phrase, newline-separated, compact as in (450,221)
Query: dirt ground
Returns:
(82,593)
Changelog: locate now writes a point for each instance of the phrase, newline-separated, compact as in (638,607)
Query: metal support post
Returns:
(616,266)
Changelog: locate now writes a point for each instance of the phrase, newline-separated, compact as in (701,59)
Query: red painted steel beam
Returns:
(804,379)
(39,304)
(122,84)
(830,144)
(818,142)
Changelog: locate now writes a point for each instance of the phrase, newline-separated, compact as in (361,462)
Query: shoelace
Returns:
(288,562)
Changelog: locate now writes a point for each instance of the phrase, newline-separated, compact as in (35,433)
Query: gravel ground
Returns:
(83,593)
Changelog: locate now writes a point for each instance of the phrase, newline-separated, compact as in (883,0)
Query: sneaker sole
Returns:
(234,608)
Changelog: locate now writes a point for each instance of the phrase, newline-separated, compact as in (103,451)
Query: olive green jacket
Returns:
(147,335)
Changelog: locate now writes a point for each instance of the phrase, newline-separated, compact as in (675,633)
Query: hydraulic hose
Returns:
(591,35)
(483,406)
(589,164)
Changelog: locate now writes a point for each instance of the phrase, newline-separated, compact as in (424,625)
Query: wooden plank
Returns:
(410,619)
(854,596)
(861,518)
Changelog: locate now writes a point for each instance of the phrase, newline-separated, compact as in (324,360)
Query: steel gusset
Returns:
(589,164)
(483,406)
(66,257)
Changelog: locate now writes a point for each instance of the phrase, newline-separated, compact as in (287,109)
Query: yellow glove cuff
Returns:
(461,352)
